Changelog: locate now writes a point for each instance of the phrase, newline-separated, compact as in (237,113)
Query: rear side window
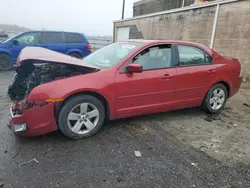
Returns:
(189,55)
(51,38)
(73,38)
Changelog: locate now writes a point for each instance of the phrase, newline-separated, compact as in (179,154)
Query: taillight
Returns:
(89,47)
(241,72)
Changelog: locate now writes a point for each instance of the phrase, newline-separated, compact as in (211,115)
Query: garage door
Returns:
(122,33)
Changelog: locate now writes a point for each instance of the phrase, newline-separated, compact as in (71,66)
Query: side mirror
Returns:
(14,42)
(134,68)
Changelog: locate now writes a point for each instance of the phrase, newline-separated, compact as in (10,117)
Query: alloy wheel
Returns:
(217,99)
(83,118)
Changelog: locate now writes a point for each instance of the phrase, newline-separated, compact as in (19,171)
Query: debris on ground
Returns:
(202,148)
(111,171)
(17,153)
(194,164)
(28,162)
(215,140)
(119,179)
(225,115)
(234,124)
(150,147)
(212,117)
(137,154)
(5,151)
(1,182)
(247,105)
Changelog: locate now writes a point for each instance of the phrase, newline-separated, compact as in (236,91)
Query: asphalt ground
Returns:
(108,159)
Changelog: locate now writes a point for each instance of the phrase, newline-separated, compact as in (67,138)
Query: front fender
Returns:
(62,89)
(3,50)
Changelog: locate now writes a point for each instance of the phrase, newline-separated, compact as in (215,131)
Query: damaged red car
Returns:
(54,91)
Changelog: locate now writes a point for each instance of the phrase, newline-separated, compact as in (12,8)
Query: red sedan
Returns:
(54,91)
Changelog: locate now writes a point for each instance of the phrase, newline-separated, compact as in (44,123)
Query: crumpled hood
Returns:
(43,54)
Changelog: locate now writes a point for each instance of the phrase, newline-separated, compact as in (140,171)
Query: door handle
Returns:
(211,71)
(166,77)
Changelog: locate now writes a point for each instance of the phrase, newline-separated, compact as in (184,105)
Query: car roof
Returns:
(155,42)
(53,31)
(165,41)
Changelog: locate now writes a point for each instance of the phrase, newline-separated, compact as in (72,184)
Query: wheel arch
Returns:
(2,51)
(76,51)
(92,93)
(226,85)
(219,82)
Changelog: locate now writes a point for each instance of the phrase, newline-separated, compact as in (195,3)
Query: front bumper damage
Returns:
(16,127)
(34,122)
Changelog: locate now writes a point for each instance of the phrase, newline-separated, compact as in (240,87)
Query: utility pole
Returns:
(123,8)
(183,3)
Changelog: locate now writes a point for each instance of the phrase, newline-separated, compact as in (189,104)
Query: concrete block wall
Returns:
(232,37)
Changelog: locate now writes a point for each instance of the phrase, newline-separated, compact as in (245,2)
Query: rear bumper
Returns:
(34,122)
(235,86)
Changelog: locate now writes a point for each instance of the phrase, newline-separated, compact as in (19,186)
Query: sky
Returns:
(92,17)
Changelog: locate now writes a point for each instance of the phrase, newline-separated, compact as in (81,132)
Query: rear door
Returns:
(150,91)
(195,73)
(76,42)
(53,41)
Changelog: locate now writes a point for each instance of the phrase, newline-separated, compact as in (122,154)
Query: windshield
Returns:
(112,54)
(9,39)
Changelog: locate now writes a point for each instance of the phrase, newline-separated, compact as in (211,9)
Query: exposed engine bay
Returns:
(33,73)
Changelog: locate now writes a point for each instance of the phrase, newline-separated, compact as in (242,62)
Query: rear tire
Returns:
(81,117)
(76,55)
(6,62)
(215,99)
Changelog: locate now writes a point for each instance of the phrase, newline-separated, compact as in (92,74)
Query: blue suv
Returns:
(74,44)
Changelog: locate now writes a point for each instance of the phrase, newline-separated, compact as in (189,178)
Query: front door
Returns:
(26,39)
(151,90)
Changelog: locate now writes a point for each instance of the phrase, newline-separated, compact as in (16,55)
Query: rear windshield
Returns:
(112,54)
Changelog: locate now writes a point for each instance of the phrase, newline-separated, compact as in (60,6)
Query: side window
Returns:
(73,38)
(157,57)
(189,55)
(28,38)
(51,38)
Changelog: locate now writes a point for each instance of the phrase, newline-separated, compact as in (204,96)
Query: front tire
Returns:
(6,62)
(215,99)
(81,117)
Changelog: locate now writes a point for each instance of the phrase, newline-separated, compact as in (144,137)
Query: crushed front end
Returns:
(36,67)
(34,121)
